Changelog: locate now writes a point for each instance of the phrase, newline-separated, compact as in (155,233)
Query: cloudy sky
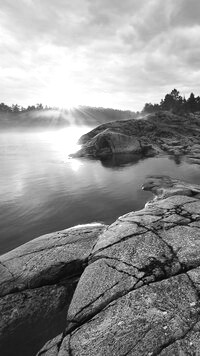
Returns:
(111,53)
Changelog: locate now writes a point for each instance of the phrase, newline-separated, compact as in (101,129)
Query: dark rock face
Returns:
(37,282)
(140,294)
(150,135)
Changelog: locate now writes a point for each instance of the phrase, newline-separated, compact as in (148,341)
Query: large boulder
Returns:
(139,294)
(110,142)
(37,282)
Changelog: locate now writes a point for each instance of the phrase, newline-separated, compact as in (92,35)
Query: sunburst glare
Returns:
(64,142)
(63,90)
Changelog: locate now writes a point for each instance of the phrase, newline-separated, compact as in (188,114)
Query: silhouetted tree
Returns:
(197,103)
(176,95)
(15,108)
(176,103)
(150,108)
(191,103)
(39,107)
(30,108)
(4,107)
(172,101)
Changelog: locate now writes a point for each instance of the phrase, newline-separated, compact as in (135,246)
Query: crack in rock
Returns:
(138,292)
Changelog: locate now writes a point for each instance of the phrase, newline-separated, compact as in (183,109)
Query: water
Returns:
(42,190)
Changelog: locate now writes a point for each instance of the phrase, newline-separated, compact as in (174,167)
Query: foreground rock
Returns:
(161,132)
(37,282)
(139,294)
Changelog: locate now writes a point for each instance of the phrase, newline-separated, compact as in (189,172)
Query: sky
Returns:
(108,53)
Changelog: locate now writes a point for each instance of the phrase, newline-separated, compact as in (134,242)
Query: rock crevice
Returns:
(132,288)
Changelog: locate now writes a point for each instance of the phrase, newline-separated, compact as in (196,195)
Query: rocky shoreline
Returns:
(150,135)
(131,288)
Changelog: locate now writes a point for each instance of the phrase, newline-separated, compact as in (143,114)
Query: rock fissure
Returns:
(100,257)
(125,238)
(169,247)
(138,281)
(3,265)
(94,300)
(69,347)
(120,270)
(110,302)
(193,283)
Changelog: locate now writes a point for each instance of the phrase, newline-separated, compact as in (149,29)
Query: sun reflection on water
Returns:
(75,164)
(64,142)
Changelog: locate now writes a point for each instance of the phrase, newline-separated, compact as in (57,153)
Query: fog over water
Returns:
(43,190)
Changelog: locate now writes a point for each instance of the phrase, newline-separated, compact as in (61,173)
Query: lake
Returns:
(42,190)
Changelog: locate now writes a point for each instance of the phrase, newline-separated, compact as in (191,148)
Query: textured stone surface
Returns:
(46,259)
(140,322)
(139,294)
(37,282)
(152,134)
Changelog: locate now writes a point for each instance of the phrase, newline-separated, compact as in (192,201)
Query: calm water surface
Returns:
(42,190)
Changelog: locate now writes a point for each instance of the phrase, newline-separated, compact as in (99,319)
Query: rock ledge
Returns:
(139,294)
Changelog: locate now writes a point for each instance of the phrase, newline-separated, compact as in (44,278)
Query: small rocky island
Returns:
(131,288)
(152,134)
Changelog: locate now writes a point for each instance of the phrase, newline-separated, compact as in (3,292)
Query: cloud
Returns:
(186,13)
(98,52)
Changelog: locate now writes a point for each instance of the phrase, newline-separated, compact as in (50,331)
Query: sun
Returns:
(63,91)
(63,97)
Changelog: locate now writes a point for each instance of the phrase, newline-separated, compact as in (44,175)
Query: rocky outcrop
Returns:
(109,141)
(139,294)
(164,187)
(161,132)
(37,282)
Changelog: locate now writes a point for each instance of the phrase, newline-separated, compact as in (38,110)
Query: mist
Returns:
(60,118)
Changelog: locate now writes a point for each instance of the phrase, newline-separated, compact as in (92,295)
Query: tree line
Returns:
(18,108)
(85,111)
(175,103)
(18,116)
